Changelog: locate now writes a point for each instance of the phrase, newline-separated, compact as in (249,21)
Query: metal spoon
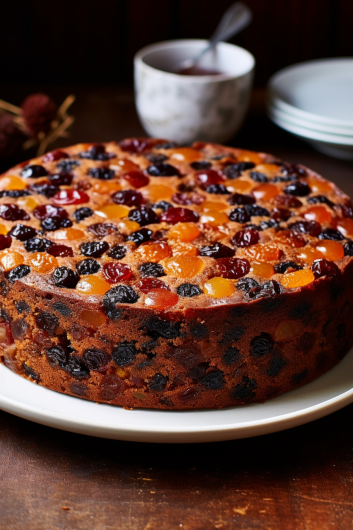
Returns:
(236,18)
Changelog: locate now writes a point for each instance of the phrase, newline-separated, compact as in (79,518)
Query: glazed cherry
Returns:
(61,179)
(162,170)
(217,250)
(11,212)
(45,211)
(149,284)
(280,214)
(313,228)
(239,198)
(136,145)
(22,232)
(115,272)
(143,216)
(60,251)
(298,188)
(323,267)
(5,242)
(137,179)
(128,197)
(233,268)
(246,238)
(68,197)
(53,156)
(161,299)
(290,238)
(207,177)
(287,201)
(184,199)
(33,171)
(179,215)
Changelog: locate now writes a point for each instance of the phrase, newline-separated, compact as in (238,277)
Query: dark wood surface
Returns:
(301,479)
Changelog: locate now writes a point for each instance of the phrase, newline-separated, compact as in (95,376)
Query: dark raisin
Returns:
(61,179)
(261,345)
(217,250)
(323,267)
(83,213)
(97,152)
(188,290)
(267,289)
(57,356)
(101,173)
(166,145)
(65,277)
(124,353)
(37,244)
(95,359)
(122,294)
(256,211)
(232,334)
(258,177)
(244,391)
(217,189)
(143,216)
(292,169)
(79,389)
(30,372)
(140,236)
(54,223)
(346,209)
(245,238)
(271,223)
(231,356)
(11,212)
(162,170)
(320,199)
(276,365)
(348,248)
(17,273)
(188,394)
(299,311)
(46,189)
(201,164)
(213,381)
(156,157)
(14,194)
(158,383)
(47,322)
(281,268)
(102,229)
(112,386)
(298,378)
(117,252)
(168,330)
(247,284)
(62,308)
(152,269)
(33,171)
(128,197)
(94,248)
(198,372)
(199,330)
(234,171)
(299,189)
(22,307)
(76,368)
(67,165)
(88,266)
(313,228)
(239,215)
(162,205)
(330,233)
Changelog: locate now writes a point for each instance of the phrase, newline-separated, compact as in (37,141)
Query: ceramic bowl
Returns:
(188,108)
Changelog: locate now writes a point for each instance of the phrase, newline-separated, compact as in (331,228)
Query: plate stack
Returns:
(314,100)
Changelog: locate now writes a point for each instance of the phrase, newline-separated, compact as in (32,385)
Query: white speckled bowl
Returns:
(188,108)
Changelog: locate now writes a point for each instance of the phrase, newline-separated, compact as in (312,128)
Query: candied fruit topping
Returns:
(332,250)
(161,299)
(298,188)
(11,182)
(5,242)
(68,197)
(162,169)
(214,218)
(88,266)
(115,272)
(136,179)
(219,287)
(318,185)
(319,214)
(34,171)
(143,216)
(154,251)
(265,192)
(183,266)
(94,249)
(323,267)
(128,197)
(22,232)
(42,263)
(213,206)
(140,236)
(233,268)
(60,251)
(288,201)
(207,177)
(157,192)
(185,199)
(10,259)
(149,284)
(184,232)
(290,238)
(262,269)
(238,186)
(265,252)
(18,272)
(92,285)
(184,249)
(11,212)
(106,187)
(184,154)
(308,254)
(313,228)
(246,238)
(70,234)
(83,213)
(179,215)
(292,280)
(113,211)
(345,226)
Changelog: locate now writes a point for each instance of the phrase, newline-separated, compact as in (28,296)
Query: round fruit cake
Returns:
(147,274)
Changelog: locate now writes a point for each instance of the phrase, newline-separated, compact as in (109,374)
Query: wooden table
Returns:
(301,479)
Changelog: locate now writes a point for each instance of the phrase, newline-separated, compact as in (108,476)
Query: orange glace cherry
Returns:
(185,154)
(11,182)
(184,232)
(183,249)
(265,192)
(154,251)
(71,234)
(113,211)
(319,214)
(215,206)
(308,254)
(271,169)
(262,269)
(3,230)
(161,299)
(92,285)
(249,156)
(238,185)
(297,279)
(290,238)
(10,259)
(42,262)
(123,166)
(317,185)
(95,318)
(106,186)
(157,192)
(345,226)
(214,218)
(183,266)
(219,287)
(332,250)
(263,252)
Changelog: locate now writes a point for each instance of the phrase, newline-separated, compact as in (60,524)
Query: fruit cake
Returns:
(147,274)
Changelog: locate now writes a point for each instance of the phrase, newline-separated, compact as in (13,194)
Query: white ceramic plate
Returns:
(327,394)
(318,91)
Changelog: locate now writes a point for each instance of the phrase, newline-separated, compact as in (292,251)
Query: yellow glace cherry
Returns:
(27,203)
(318,185)
(95,318)
(238,185)
(12,182)
(184,232)
(262,269)
(154,251)
(296,279)
(3,230)
(183,266)
(157,192)
(126,227)
(214,218)
(10,259)
(91,284)
(267,168)
(215,206)
(265,192)
(113,211)
(68,233)
(184,154)
(219,287)
(42,262)
(106,186)
(184,249)
(249,156)
(123,166)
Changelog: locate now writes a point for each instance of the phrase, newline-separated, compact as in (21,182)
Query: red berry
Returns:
(53,156)
(70,197)
(233,268)
(149,284)
(48,210)
(137,179)
(280,214)
(60,251)
(246,238)
(115,272)
(179,215)
(137,145)
(128,197)
(11,212)
(5,242)
(206,177)
(188,198)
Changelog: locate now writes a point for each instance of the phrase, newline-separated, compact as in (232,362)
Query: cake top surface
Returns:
(153,224)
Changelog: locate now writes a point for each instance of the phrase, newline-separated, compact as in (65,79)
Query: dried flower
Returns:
(38,112)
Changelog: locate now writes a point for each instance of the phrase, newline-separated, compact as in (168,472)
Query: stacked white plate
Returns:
(314,100)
